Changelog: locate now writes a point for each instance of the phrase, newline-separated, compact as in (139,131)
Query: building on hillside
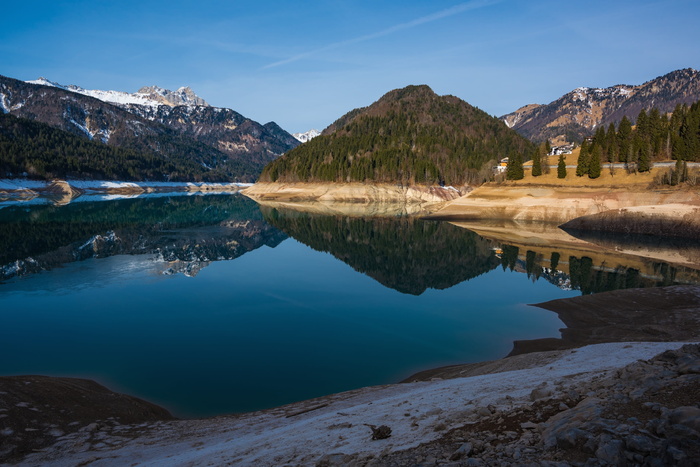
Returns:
(502,166)
(564,149)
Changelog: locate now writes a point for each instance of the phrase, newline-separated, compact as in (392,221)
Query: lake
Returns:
(211,304)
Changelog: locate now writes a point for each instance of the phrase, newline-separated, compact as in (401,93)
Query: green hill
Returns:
(409,136)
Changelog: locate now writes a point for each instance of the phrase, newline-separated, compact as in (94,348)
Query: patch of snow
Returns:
(21,184)
(4,105)
(307,136)
(83,128)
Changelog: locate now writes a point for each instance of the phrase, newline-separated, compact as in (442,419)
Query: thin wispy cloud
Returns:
(455,10)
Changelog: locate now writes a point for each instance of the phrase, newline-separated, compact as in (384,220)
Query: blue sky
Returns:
(304,64)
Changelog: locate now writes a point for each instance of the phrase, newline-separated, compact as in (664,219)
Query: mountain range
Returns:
(578,113)
(410,135)
(175,126)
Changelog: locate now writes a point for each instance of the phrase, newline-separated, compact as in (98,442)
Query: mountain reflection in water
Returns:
(98,290)
(187,232)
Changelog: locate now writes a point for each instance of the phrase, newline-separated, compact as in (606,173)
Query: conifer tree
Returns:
(561,167)
(594,163)
(537,162)
(582,162)
(644,161)
(514,170)
(624,138)
(611,145)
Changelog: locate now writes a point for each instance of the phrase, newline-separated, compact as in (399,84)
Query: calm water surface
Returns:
(210,305)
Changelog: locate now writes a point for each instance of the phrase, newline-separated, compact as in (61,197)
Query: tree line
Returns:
(37,150)
(655,136)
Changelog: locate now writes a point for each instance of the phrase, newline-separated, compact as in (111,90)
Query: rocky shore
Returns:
(615,403)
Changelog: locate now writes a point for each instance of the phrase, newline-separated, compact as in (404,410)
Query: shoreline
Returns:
(359,193)
(64,191)
(420,413)
(520,407)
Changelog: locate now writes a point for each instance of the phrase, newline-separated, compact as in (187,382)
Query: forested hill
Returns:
(36,149)
(409,136)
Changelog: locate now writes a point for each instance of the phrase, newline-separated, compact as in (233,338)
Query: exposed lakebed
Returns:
(209,304)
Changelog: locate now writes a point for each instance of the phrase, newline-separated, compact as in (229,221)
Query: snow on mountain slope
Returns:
(152,96)
(306,136)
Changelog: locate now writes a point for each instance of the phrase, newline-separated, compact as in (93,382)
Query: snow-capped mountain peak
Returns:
(306,136)
(183,96)
(149,95)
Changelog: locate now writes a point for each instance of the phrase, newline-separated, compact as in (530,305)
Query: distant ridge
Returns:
(578,113)
(212,143)
(147,95)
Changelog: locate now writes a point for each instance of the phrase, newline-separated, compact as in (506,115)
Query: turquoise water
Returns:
(208,306)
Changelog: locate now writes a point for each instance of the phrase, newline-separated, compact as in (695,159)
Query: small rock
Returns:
(611,452)
(381,432)
(90,427)
(528,426)
(688,416)
(540,393)
(688,364)
(640,443)
(330,460)
(463,451)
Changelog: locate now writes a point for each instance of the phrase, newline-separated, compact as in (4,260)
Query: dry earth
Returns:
(351,193)
(557,204)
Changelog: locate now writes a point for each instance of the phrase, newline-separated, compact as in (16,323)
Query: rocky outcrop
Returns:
(643,414)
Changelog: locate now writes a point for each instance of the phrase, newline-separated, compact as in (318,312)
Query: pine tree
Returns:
(514,170)
(644,161)
(537,162)
(582,162)
(561,167)
(624,139)
(611,145)
(594,163)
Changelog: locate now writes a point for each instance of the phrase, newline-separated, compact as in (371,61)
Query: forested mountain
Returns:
(42,151)
(580,112)
(409,136)
(223,144)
